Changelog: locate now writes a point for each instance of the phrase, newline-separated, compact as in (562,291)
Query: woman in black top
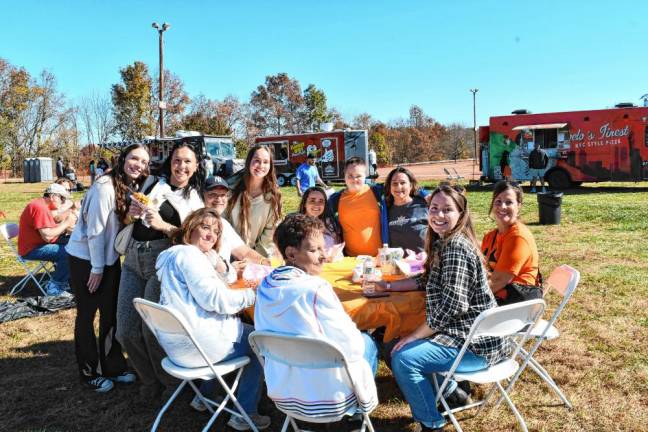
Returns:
(169,199)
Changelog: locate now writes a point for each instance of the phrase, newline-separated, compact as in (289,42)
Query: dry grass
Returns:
(600,361)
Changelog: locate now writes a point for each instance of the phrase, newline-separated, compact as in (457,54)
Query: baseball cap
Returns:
(55,188)
(311,155)
(214,182)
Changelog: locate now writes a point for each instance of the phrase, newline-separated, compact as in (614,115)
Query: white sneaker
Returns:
(124,378)
(197,404)
(260,421)
(100,384)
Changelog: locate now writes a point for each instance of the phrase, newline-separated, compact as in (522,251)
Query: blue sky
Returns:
(375,56)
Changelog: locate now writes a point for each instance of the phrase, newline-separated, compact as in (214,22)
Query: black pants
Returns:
(105,358)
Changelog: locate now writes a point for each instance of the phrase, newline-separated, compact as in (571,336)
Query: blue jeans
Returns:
(250,384)
(54,253)
(371,352)
(414,367)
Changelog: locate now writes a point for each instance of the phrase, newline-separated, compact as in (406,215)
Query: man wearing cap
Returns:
(40,236)
(307,174)
(216,193)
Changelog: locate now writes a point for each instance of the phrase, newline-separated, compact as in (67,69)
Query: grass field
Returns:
(600,361)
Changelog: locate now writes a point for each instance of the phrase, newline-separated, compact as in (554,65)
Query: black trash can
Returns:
(549,206)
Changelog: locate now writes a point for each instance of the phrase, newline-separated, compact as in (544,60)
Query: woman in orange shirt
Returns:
(510,249)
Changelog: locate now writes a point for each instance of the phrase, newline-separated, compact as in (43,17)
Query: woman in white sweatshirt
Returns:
(294,300)
(95,270)
(191,286)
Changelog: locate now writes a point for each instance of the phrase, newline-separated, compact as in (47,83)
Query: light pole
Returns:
(161,103)
(474,93)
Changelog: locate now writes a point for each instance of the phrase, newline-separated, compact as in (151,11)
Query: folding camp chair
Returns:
(308,353)
(163,320)
(449,176)
(38,274)
(563,280)
(457,175)
(503,321)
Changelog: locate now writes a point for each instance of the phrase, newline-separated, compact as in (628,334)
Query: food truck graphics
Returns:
(332,149)
(582,146)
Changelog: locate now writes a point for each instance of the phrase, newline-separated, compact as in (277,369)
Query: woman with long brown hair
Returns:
(169,199)
(457,292)
(255,207)
(406,210)
(95,270)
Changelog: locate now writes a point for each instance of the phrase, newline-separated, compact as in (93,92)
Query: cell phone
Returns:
(375,294)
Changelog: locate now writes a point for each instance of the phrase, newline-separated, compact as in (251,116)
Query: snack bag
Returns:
(253,274)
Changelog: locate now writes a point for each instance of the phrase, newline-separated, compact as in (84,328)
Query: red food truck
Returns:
(583,146)
(332,149)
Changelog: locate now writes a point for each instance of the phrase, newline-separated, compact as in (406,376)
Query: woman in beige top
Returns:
(255,208)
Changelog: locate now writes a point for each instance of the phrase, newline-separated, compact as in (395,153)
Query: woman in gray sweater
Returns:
(95,270)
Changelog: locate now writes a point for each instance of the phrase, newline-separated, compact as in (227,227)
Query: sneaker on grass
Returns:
(124,378)
(260,421)
(99,384)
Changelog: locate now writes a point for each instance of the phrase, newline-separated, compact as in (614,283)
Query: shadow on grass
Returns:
(42,391)
(8,282)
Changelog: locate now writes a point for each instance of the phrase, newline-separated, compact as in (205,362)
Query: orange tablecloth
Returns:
(400,313)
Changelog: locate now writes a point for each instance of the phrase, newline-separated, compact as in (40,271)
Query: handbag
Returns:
(123,239)
(516,293)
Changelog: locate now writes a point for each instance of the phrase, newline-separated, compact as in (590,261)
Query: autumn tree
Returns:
(362,121)
(214,117)
(276,106)
(315,111)
(132,103)
(176,99)
(97,122)
(337,119)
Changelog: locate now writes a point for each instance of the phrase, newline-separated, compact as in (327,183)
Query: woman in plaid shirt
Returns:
(457,292)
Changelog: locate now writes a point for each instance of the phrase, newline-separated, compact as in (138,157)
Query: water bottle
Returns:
(368,282)
(386,264)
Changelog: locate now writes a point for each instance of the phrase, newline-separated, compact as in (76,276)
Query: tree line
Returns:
(36,119)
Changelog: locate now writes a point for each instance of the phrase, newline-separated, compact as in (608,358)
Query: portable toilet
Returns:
(27,171)
(44,166)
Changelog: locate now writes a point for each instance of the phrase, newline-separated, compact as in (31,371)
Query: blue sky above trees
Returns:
(378,57)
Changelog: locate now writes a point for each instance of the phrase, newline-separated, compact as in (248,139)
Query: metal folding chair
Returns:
(38,274)
(503,321)
(563,280)
(161,319)
(308,353)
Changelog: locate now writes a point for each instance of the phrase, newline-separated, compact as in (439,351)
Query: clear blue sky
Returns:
(368,56)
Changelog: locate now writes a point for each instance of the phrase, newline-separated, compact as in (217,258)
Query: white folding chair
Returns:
(503,321)
(38,274)
(457,175)
(161,319)
(308,353)
(563,280)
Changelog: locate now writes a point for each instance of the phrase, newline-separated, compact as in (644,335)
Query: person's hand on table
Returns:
(382,286)
(404,341)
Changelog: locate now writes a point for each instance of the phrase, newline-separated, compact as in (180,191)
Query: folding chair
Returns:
(37,274)
(161,319)
(449,176)
(563,280)
(308,353)
(503,321)
(457,176)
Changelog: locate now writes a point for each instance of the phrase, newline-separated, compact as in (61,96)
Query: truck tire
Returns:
(558,179)
(293,181)
(281,181)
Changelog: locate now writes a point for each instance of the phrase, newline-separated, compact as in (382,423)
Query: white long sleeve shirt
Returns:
(93,238)
(191,286)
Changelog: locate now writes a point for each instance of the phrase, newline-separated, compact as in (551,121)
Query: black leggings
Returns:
(105,358)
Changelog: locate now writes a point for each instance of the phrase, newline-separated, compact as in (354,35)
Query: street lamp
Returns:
(474,93)
(161,103)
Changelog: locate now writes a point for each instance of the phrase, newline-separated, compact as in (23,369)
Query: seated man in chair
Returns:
(294,300)
(39,236)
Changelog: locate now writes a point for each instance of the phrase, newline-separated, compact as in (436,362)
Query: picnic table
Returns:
(400,313)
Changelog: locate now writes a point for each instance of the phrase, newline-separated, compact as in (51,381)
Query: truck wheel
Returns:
(558,179)
(281,181)
(293,181)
